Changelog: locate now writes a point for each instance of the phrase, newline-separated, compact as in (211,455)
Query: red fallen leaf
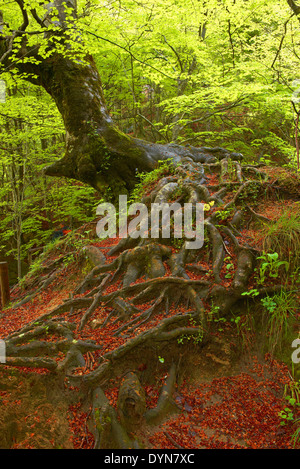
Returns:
(142,367)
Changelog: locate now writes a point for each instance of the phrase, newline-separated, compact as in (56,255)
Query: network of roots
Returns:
(143,295)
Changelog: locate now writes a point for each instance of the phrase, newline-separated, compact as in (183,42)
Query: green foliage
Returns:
(269,304)
(253,292)
(283,237)
(281,309)
(214,312)
(287,415)
(214,316)
(200,73)
(146,179)
(195,338)
(76,241)
(32,205)
(222,215)
(205,73)
(229,266)
(35,267)
(269,267)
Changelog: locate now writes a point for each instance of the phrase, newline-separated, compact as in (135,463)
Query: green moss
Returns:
(148,178)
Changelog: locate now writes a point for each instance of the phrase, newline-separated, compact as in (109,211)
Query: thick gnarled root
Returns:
(150,278)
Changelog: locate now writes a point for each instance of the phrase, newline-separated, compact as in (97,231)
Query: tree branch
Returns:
(130,53)
(281,41)
(210,114)
(295,8)
(24,14)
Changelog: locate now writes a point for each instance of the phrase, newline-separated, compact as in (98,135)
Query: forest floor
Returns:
(231,393)
(230,397)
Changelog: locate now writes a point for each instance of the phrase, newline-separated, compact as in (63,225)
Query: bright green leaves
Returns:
(209,73)
(270,267)
(32,205)
(203,62)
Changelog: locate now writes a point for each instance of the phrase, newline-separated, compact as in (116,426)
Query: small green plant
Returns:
(213,316)
(269,266)
(76,240)
(283,236)
(161,359)
(293,401)
(223,214)
(214,312)
(229,267)
(269,304)
(68,259)
(245,328)
(197,337)
(220,321)
(279,315)
(250,193)
(281,309)
(35,265)
(237,321)
(253,292)
(286,415)
(292,389)
(292,395)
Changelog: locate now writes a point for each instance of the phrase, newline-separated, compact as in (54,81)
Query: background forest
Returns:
(211,73)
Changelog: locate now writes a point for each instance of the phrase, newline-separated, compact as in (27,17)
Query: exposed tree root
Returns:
(165,401)
(147,279)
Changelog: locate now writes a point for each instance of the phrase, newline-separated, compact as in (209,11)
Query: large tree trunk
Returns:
(97,153)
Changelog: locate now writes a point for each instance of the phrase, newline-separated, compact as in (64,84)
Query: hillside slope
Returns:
(129,344)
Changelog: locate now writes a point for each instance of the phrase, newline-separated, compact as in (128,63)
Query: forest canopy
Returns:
(207,74)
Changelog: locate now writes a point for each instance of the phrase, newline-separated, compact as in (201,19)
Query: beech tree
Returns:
(96,153)
(47,47)
(99,154)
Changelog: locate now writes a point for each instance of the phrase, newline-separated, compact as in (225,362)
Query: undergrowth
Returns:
(283,236)
(148,178)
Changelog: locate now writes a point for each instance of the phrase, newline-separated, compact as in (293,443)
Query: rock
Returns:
(94,255)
